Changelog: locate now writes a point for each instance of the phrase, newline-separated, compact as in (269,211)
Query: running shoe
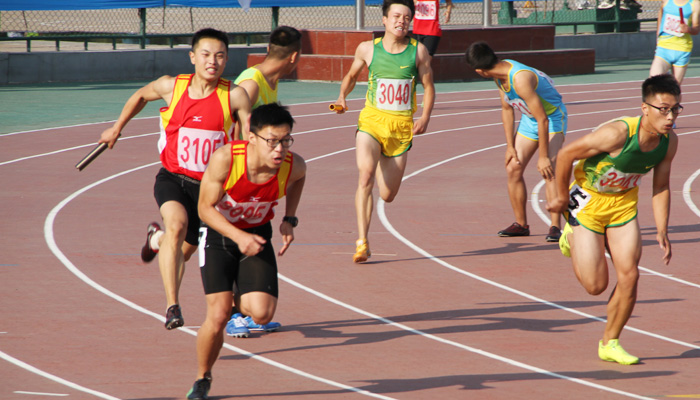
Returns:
(564,240)
(268,327)
(604,5)
(237,326)
(515,230)
(615,353)
(362,252)
(553,235)
(173,317)
(200,389)
(147,253)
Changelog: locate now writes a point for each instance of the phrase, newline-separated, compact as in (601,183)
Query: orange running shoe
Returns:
(362,252)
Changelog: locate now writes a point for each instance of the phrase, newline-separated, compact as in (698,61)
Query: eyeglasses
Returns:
(666,110)
(286,142)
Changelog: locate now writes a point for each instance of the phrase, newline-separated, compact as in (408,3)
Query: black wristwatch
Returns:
(293,221)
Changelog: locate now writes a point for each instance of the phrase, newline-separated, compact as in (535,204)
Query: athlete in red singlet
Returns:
(200,114)
(240,187)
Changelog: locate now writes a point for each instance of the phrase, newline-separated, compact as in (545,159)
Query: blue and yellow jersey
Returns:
(549,96)
(669,33)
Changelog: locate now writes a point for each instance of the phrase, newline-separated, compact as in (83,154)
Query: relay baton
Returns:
(336,108)
(681,11)
(91,156)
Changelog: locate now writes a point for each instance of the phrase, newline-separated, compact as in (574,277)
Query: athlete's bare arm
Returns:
(609,138)
(240,105)
(693,29)
(508,118)
(211,191)
(525,84)
(661,197)
(161,88)
(297,177)
(363,57)
(425,74)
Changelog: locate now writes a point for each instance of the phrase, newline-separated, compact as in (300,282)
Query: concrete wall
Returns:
(109,65)
(615,46)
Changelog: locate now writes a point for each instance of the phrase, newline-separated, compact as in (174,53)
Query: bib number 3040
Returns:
(393,94)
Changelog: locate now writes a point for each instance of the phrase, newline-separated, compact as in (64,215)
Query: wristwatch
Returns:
(293,221)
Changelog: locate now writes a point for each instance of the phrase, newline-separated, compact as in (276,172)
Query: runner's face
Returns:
(209,58)
(659,122)
(272,157)
(398,20)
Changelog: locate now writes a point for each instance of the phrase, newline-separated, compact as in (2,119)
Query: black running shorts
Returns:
(184,190)
(429,41)
(222,264)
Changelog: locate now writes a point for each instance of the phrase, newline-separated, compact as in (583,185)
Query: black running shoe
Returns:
(200,389)
(147,253)
(173,317)
(553,235)
(515,229)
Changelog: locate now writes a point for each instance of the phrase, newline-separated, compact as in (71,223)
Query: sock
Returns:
(155,238)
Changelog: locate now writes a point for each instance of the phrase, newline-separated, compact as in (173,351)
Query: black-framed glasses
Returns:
(666,110)
(286,142)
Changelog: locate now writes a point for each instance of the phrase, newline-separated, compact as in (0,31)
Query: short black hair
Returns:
(481,56)
(660,84)
(209,33)
(284,41)
(408,3)
(273,114)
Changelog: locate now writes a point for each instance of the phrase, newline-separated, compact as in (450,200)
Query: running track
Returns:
(445,309)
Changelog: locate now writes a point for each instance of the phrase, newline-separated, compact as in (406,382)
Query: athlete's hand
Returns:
(544,166)
(110,136)
(420,126)
(340,106)
(511,155)
(250,244)
(287,232)
(557,205)
(665,245)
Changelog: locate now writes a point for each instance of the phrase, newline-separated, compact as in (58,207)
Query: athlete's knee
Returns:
(365,180)
(389,195)
(515,170)
(219,317)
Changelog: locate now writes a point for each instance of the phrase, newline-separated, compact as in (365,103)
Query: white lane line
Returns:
(49,238)
(470,349)
(54,378)
(40,393)
(687,188)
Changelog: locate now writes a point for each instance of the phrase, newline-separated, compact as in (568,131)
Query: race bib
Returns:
(393,94)
(544,76)
(518,104)
(578,198)
(426,10)
(252,212)
(195,147)
(614,181)
(672,25)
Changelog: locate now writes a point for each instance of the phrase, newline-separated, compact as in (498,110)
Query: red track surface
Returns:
(451,311)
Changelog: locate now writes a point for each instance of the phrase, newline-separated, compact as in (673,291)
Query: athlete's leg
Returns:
(659,66)
(210,336)
(170,256)
(260,306)
(389,175)
(625,250)
(555,143)
(679,73)
(368,152)
(588,258)
(517,191)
